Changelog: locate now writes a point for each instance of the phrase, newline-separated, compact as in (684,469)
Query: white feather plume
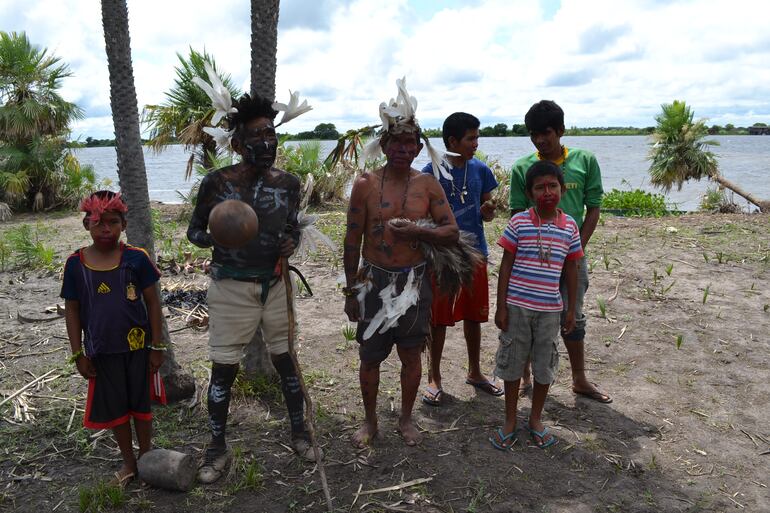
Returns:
(386,295)
(401,303)
(438,161)
(311,238)
(221,136)
(217,92)
(293,109)
(372,150)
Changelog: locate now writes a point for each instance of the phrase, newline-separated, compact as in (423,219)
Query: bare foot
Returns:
(409,433)
(364,436)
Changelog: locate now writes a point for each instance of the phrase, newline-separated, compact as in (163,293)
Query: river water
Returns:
(742,159)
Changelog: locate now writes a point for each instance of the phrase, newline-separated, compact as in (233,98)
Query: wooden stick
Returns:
(413,482)
(308,403)
(22,389)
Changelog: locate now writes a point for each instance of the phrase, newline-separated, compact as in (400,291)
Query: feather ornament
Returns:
(293,109)
(439,162)
(452,265)
(311,238)
(402,302)
(372,150)
(221,136)
(217,92)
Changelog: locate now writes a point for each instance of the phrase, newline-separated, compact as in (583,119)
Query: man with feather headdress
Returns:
(389,295)
(246,292)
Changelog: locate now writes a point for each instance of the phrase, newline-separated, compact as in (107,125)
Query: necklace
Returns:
(561,159)
(379,228)
(543,253)
(464,191)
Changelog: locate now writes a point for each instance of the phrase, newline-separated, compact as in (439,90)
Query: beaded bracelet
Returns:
(158,348)
(76,355)
(348,291)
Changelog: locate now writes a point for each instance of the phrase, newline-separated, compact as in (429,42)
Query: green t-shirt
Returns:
(581,176)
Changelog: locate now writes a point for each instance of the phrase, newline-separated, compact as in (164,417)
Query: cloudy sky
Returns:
(607,62)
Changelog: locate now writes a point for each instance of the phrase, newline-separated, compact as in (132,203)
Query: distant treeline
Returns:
(328,132)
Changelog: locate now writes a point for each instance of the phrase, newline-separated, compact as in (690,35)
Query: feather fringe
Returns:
(453,266)
(394,304)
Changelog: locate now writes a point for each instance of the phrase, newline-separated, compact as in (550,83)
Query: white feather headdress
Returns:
(398,117)
(222,104)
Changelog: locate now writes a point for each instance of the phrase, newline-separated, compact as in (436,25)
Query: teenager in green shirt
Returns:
(582,201)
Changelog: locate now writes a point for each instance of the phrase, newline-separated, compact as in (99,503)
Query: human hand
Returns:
(488,210)
(569,322)
(156,360)
(287,247)
(501,318)
(85,367)
(352,308)
(404,229)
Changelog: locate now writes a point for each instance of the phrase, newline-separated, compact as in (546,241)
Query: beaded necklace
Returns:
(379,228)
(464,191)
(543,253)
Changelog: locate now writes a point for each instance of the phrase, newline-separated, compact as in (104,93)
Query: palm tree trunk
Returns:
(132,174)
(764,206)
(264,46)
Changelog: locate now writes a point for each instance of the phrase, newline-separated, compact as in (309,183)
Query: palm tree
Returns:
(186,111)
(264,47)
(678,153)
(29,91)
(131,169)
(34,120)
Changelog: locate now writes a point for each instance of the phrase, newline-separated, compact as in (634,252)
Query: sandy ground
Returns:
(687,431)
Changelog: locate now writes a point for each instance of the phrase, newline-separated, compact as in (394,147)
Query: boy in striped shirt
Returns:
(537,244)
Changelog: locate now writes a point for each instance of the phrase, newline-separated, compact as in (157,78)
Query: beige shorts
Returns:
(235,314)
(532,335)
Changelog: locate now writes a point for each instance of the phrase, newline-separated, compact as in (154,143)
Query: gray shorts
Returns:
(413,327)
(579,333)
(530,334)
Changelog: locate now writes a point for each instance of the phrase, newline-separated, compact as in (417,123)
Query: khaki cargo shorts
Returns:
(529,333)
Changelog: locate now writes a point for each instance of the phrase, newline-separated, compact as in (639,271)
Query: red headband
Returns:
(95,206)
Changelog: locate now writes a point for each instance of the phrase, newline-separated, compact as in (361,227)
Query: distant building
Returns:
(759,130)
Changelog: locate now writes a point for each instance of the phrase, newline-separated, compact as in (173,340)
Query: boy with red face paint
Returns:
(582,200)
(113,321)
(538,243)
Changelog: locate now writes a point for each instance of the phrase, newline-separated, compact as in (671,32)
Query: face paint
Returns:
(260,154)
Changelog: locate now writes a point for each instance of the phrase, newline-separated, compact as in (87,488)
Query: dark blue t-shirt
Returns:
(476,179)
(112,312)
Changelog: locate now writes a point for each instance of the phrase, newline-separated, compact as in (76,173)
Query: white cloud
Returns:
(606,62)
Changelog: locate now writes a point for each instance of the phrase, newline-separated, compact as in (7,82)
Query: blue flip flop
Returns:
(541,435)
(503,438)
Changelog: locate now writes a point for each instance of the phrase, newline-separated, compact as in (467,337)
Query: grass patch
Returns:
(100,497)
(267,388)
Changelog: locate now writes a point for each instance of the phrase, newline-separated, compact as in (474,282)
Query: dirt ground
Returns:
(681,344)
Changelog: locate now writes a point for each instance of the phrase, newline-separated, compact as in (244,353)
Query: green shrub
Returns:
(27,248)
(635,202)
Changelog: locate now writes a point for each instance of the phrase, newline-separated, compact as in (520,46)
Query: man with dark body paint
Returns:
(246,292)
(391,257)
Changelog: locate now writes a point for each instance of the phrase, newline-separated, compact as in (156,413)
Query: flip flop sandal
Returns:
(121,480)
(541,435)
(486,386)
(432,396)
(503,438)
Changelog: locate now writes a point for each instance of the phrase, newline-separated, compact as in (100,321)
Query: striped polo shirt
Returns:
(534,283)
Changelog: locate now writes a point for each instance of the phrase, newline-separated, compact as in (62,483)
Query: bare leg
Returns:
(472,331)
(369,377)
(411,370)
(123,437)
(539,393)
(580,383)
(438,337)
(526,379)
(143,430)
